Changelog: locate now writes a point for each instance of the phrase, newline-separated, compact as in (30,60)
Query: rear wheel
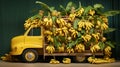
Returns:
(30,55)
(80,58)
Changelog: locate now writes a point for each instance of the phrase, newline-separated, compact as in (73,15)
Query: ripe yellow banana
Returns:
(95,48)
(71,17)
(50,49)
(53,61)
(61,49)
(70,50)
(107,51)
(80,12)
(104,26)
(80,48)
(86,37)
(66,60)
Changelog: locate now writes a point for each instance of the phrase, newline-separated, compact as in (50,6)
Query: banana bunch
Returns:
(107,51)
(53,61)
(88,25)
(96,36)
(86,37)
(100,60)
(27,23)
(61,22)
(71,17)
(7,57)
(34,22)
(59,31)
(92,12)
(95,48)
(61,49)
(79,12)
(85,24)
(48,32)
(104,26)
(50,49)
(49,38)
(66,60)
(110,59)
(98,24)
(65,31)
(70,50)
(74,33)
(105,19)
(68,25)
(80,48)
(47,22)
(81,24)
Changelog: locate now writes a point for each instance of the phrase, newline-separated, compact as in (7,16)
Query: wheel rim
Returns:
(30,56)
(80,58)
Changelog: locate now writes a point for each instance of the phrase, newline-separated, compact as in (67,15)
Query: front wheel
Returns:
(30,55)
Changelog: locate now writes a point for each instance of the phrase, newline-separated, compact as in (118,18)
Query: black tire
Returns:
(30,55)
(80,59)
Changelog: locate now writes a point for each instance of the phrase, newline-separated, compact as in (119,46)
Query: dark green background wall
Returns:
(13,13)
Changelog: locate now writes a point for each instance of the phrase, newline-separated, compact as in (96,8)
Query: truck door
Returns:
(34,38)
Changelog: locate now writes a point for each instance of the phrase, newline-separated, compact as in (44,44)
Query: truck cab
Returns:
(29,45)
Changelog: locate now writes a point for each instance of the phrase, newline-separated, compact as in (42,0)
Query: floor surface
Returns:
(39,64)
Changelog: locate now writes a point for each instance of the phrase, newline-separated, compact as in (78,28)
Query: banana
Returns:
(47,22)
(65,31)
(81,24)
(92,12)
(86,37)
(70,50)
(74,33)
(71,17)
(88,25)
(61,22)
(96,36)
(61,49)
(49,38)
(80,48)
(50,49)
(100,60)
(104,26)
(107,51)
(85,24)
(95,48)
(66,60)
(80,12)
(48,32)
(53,61)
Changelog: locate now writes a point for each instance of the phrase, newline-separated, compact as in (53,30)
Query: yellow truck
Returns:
(32,44)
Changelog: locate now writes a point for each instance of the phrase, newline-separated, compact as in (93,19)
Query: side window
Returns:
(35,32)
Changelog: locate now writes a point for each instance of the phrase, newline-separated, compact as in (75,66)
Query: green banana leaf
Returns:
(97,6)
(71,44)
(109,30)
(56,42)
(79,34)
(63,10)
(36,16)
(75,23)
(68,7)
(45,6)
(111,13)
(102,45)
(110,44)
